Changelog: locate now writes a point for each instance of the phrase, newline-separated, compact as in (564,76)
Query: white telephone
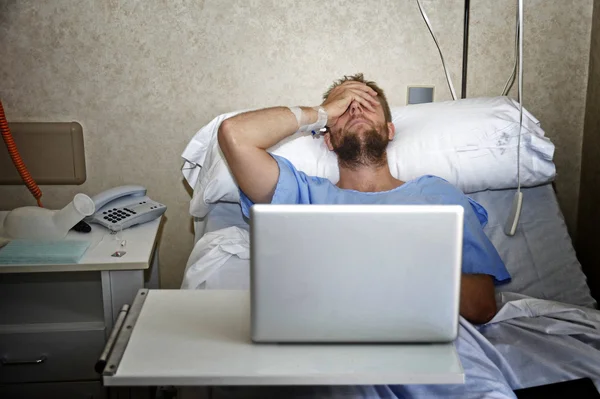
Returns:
(123,207)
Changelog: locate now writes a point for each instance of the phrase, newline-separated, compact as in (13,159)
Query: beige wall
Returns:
(143,76)
(589,211)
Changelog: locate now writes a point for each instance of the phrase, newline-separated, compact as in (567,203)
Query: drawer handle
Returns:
(7,362)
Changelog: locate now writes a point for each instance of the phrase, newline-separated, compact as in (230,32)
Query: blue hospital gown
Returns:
(479,254)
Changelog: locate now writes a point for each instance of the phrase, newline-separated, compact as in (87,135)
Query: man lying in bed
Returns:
(360,128)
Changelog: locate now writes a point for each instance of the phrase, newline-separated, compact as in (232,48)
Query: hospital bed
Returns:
(547,329)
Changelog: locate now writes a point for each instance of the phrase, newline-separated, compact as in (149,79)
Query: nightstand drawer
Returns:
(68,297)
(50,355)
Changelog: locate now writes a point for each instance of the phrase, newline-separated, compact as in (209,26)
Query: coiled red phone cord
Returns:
(16,158)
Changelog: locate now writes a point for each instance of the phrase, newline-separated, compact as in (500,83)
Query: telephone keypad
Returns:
(118,218)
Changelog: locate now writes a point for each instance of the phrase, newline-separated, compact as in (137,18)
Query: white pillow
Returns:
(472,143)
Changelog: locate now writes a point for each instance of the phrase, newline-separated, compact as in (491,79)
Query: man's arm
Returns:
(477,298)
(245,138)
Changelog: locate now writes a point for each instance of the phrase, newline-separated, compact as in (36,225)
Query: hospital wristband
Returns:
(321,120)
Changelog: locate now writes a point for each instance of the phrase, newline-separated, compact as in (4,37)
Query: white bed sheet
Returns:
(540,257)
(223,215)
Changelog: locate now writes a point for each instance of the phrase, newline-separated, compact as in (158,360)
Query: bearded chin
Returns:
(354,151)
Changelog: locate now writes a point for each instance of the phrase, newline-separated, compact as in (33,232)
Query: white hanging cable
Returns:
(512,222)
(448,78)
(511,79)
(520,94)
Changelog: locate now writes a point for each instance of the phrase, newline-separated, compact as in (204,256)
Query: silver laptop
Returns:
(355,273)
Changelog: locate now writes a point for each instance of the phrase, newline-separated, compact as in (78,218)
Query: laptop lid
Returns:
(355,273)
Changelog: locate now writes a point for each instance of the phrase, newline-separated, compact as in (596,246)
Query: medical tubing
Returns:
(448,78)
(16,158)
(511,79)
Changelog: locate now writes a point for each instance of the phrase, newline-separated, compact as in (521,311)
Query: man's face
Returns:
(360,136)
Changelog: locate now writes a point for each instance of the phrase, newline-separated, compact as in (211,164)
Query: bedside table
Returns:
(55,319)
(202,338)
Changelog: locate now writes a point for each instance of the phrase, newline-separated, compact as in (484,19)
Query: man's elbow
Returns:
(226,134)
(481,312)
(477,298)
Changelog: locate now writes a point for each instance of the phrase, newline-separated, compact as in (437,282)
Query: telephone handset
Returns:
(123,207)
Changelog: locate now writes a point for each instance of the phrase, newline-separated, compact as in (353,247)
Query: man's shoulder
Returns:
(432,180)
(435,185)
